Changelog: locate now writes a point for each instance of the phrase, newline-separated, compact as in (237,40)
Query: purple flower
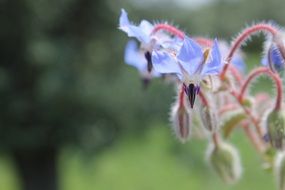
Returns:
(191,64)
(140,57)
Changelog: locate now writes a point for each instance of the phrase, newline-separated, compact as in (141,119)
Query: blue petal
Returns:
(165,64)
(189,50)
(140,32)
(190,56)
(133,57)
(124,20)
(146,26)
(276,58)
(214,66)
(191,67)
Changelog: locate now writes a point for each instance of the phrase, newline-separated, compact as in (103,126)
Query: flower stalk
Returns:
(277,80)
(246,34)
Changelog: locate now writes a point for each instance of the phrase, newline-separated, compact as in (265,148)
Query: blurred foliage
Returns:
(62,77)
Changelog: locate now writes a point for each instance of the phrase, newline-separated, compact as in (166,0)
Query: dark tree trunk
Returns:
(37,168)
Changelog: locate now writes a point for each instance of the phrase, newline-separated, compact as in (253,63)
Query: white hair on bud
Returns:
(174,118)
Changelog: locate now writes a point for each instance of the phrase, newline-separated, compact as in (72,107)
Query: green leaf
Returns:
(230,123)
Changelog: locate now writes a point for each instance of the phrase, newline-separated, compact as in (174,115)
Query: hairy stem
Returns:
(204,41)
(171,29)
(276,79)
(245,34)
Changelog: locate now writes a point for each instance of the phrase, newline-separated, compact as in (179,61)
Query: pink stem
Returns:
(204,41)
(175,31)
(168,28)
(248,32)
(275,77)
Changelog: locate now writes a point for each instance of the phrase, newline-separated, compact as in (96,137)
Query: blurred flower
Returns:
(140,57)
(191,64)
(225,161)
(137,58)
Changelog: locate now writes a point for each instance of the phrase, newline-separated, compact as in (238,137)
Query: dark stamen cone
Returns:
(191,94)
(149,62)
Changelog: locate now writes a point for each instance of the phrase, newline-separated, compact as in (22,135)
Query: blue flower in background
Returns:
(191,64)
(140,56)
(137,58)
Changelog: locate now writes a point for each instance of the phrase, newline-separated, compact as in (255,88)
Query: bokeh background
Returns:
(73,116)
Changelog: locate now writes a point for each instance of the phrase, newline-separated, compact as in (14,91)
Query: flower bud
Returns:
(275,124)
(273,58)
(224,159)
(181,122)
(209,118)
(279,169)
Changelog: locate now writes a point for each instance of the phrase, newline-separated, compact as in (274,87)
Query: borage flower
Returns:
(148,40)
(136,57)
(140,56)
(191,64)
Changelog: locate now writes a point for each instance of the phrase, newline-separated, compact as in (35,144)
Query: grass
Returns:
(156,161)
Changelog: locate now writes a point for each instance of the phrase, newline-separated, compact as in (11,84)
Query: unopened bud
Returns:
(274,53)
(181,122)
(225,161)
(209,118)
(279,169)
(275,124)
